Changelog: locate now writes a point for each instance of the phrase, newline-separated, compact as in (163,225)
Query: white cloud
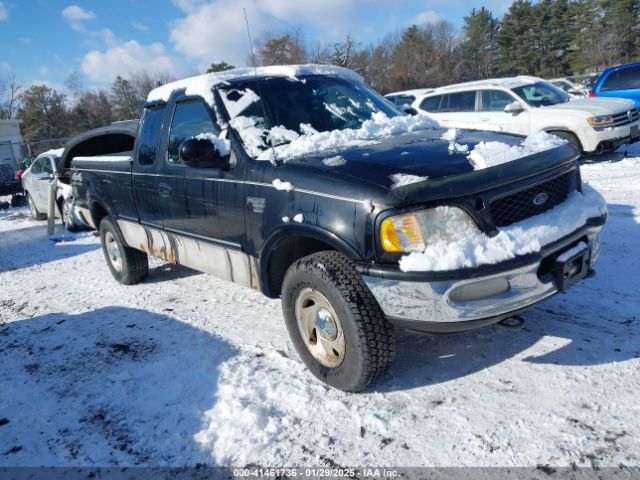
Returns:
(76,16)
(43,71)
(215,31)
(24,40)
(128,57)
(426,17)
(140,26)
(4,12)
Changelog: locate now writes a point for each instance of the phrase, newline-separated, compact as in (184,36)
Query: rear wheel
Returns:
(127,265)
(35,214)
(335,323)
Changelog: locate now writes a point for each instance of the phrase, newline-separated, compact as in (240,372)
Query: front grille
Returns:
(623,118)
(520,205)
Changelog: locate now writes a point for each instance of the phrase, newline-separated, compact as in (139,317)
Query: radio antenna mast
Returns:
(275,160)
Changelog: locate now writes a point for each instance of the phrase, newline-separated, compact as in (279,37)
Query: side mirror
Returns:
(201,153)
(408,109)
(514,107)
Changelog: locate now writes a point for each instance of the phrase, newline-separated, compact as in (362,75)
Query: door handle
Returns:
(484,119)
(164,190)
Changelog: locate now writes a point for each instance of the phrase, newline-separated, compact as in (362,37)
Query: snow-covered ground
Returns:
(186,369)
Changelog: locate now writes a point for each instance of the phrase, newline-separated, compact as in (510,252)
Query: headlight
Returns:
(412,232)
(600,120)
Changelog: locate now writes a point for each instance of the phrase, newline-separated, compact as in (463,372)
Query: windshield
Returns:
(541,94)
(275,111)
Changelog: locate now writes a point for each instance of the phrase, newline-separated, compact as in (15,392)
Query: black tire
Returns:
(64,207)
(35,213)
(369,339)
(132,266)
(569,137)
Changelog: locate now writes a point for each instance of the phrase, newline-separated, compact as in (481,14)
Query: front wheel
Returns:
(66,212)
(35,214)
(571,138)
(128,265)
(335,323)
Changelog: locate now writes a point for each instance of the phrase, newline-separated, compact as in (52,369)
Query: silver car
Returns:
(36,180)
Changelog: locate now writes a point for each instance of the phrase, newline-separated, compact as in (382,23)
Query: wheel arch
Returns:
(290,243)
(566,130)
(97,211)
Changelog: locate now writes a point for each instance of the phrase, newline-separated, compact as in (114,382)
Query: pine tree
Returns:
(479,48)
(220,67)
(92,110)
(623,22)
(126,103)
(517,45)
(43,113)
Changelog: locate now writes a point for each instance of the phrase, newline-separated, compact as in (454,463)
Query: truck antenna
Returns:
(275,160)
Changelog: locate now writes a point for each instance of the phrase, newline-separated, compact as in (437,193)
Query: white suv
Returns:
(525,105)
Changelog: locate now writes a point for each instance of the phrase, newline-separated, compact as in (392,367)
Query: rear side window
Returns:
(190,119)
(622,79)
(431,104)
(149,135)
(401,100)
(461,102)
(495,100)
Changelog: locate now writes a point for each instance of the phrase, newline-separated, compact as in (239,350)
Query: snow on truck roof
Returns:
(201,85)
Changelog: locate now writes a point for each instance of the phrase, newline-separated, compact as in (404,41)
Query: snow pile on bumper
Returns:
(474,248)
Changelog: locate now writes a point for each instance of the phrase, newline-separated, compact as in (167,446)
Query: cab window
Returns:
(495,100)
(190,119)
(149,135)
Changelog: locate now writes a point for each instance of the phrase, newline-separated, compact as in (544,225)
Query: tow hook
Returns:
(512,323)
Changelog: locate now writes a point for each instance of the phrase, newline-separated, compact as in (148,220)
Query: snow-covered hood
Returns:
(413,163)
(594,106)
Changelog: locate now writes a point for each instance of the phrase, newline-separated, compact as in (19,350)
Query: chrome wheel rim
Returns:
(320,328)
(113,251)
(67,218)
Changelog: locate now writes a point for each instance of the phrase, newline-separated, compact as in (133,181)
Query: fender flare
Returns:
(299,230)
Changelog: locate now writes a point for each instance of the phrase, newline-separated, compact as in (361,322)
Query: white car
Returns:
(35,182)
(574,90)
(525,105)
(406,97)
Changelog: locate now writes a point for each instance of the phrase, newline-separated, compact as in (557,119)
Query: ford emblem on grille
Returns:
(540,199)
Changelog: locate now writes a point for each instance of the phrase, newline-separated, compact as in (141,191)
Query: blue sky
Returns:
(44,41)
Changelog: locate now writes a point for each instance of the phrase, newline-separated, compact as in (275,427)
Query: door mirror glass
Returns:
(514,107)
(201,153)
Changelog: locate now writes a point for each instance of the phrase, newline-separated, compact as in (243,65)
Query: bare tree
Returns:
(9,94)
(343,53)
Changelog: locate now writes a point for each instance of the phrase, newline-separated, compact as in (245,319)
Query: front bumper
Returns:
(478,297)
(609,139)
